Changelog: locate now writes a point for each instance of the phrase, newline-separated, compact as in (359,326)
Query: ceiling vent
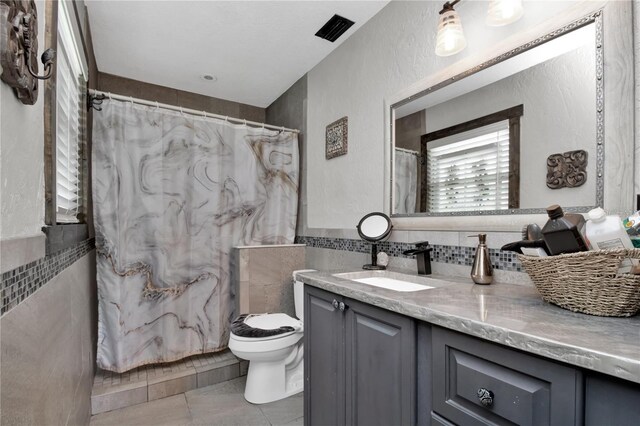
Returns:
(334,28)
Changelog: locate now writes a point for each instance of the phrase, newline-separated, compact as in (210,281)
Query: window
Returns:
(70,123)
(469,171)
(473,166)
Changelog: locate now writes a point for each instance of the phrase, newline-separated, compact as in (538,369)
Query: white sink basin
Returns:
(393,280)
(392,284)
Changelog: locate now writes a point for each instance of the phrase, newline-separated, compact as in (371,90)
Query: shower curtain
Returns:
(406,180)
(172,194)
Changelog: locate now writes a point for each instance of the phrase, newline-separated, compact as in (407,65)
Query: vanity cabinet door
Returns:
(610,401)
(380,366)
(324,389)
(359,363)
(477,383)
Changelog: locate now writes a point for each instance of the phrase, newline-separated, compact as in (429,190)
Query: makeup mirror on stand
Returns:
(374,227)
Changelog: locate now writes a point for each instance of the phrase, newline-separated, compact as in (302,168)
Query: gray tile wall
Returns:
(48,345)
(261,278)
(451,254)
(19,283)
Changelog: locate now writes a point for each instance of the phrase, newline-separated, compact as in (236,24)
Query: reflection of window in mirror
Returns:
(472,166)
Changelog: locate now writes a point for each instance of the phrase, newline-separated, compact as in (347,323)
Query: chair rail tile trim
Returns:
(19,283)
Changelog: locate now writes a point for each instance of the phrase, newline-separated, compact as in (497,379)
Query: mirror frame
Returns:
(619,99)
(594,18)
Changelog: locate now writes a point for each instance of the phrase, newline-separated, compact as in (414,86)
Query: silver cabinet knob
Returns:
(335,304)
(342,306)
(485,396)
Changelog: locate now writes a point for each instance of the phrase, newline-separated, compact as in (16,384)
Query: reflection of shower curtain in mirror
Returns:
(172,194)
(405,176)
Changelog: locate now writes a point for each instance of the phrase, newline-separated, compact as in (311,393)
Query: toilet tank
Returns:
(298,293)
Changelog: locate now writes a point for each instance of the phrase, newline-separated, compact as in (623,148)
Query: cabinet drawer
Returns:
(518,388)
(437,420)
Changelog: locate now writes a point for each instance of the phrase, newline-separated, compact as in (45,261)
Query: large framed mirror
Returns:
(512,135)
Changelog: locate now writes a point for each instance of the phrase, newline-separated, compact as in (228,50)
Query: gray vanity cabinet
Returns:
(477,383)
(359,363)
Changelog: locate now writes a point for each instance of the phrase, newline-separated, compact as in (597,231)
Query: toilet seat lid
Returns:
(264,327)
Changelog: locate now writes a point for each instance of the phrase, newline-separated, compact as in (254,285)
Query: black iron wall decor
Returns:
(19,49)
(567,170)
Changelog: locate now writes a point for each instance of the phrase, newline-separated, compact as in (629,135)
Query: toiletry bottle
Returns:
(631,224)
(607,232)
(482,271)
(562,233)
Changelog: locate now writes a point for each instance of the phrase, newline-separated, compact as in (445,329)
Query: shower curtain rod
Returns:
(408,151)
(103,95)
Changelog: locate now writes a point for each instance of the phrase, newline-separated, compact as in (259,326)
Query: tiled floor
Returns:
(113,391)
(221,404)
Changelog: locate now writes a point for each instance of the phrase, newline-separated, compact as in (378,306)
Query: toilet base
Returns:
(269,381)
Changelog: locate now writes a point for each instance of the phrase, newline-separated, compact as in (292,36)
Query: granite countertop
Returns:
(512,315)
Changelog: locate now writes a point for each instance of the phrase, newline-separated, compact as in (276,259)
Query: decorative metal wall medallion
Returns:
(19,49)
(567,170)
(337,138)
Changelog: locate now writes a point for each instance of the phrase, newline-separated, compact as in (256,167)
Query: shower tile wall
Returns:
(261,278)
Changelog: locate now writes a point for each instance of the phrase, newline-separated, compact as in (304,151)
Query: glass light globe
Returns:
(504,12)
(450,39)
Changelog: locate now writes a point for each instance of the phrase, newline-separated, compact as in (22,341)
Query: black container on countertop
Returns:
(562,233)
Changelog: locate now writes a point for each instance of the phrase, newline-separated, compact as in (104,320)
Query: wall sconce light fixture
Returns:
(504,12)
(450,39)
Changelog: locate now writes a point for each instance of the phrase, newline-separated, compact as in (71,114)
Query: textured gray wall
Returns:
(290,110)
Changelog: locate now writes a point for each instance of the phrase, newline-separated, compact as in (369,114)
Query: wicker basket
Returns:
(587,282)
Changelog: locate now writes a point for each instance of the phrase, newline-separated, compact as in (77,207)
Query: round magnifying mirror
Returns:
(374,227)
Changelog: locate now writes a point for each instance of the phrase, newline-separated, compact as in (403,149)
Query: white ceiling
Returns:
(256,49)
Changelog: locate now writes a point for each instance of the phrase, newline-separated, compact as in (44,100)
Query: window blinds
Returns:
(469,171)
(70,82)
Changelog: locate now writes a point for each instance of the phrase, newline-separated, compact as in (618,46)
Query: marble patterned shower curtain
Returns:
(172,194)
(406,180)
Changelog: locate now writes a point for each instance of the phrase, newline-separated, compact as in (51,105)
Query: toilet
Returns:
(272,343)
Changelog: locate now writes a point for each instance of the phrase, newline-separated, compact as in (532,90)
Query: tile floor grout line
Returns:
(186,402)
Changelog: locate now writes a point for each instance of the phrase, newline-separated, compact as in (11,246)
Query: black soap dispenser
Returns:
(482,271)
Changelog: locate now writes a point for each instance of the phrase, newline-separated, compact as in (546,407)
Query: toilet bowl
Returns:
(272,343)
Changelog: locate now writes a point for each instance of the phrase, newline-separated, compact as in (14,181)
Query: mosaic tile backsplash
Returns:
(457,255)
(18,284)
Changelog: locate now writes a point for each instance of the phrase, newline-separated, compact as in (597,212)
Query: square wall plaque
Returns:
(337,138)
(567,170)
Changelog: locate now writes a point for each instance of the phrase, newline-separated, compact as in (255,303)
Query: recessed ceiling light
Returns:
(209,77)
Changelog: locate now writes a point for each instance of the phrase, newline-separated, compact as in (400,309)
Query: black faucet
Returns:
(423,256)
